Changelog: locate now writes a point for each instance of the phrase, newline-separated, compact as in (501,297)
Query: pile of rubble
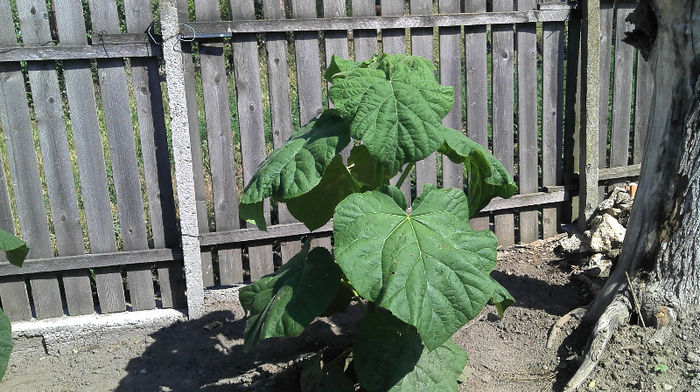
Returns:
(598,247)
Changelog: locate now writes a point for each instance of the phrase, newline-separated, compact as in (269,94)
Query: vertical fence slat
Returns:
(572,113)
(48,111)
(451,74)
(336,42)
(91,163)
(476,89)
(365,41)
(219,140)
(13,291)
(252,131)
(422,45)
(622,89)
(156,160)
(280,107)
(607,20)
(308,73)
(503,111)
(125,171)
(196,146)
(645,83)
(17,127)
(527,121)
(552,116)
(307,63)
(394,42)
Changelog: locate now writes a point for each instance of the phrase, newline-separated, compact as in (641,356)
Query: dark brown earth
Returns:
(504,355)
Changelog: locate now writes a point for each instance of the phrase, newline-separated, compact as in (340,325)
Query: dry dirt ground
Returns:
(504,355)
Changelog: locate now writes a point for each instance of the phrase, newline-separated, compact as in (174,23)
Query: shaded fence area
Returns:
(87,176)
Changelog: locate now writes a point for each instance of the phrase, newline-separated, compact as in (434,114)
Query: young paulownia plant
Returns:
(419,274)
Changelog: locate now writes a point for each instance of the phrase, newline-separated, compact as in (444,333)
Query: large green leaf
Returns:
(386,350)
(284,303)
(15,249)
(315,208)
(395,105)
(389,356)
(428,268)
(366,170)
(297,167)
(488,177)
(5,342)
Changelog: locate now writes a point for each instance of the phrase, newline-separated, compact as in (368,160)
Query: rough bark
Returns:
(662,244)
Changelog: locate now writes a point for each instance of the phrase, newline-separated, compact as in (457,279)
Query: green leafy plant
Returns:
(660,368)
(15,250)
(419,273)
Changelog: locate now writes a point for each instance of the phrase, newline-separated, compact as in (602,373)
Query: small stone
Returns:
(606,204)
(692,357)
(591,385)
(143,371)
(667,387)
(622,198)
(149,339)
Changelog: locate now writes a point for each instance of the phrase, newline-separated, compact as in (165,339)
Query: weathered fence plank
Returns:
(13,291)
(422,45)
(622,89)
(196,145)
(307,64)
(476,90)
(503,142)
(378,23)
(451,74)
(308,73)
(644,89)
(250,117)
(91,163)
(607,20)
(26,183)
(125,171)
(552,116)
(51,129)
(365,41)
(527,121)
(156,160)
(219,139)
(280,106)
(394,42)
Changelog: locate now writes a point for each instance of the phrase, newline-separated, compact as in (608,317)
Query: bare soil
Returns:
(504,355)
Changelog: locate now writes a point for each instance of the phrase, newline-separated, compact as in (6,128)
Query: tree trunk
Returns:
(662,244)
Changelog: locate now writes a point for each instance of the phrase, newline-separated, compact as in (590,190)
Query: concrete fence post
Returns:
(182,151)
(590,95)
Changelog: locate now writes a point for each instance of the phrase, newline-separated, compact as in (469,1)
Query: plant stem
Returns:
(359,300)
(404,174)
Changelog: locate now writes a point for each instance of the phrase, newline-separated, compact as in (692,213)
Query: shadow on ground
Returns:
(192,355)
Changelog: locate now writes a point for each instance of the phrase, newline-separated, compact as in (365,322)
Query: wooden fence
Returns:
(87,177)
